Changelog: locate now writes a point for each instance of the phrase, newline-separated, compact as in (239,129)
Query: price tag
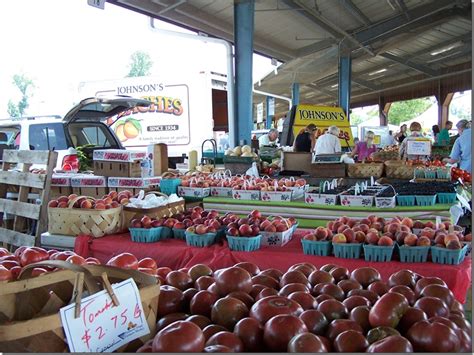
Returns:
(101,326)
(419,146)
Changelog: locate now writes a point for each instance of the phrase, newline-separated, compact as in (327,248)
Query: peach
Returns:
(418,225)
(270,228)
(440,245)
(390,235)
(351,223)
(107,200)
(145,221)
(53,204)
(350,235)
(339,238)
(115,204)
(372,218)
(373,230)
(321,233)
(280,227)
(453,244)
(330,225)
(378,226)
(356,229)
(428,232)
(124,201)
(72,197)
(372,238)
(202,229)
(380,220)
(342,228)
(365,221)
(99,206)
(405,228)
(62,205)
(449,237)
(108,206)
(336,226)
(135,223)
(407,222)
(410,240)
(310,236)
(385,241)
(400,237)
(86,204)
(430,224)
(113,194)
(364,228)
(393,228)
(344,219)
(423,242)
(468,237)
(359,237)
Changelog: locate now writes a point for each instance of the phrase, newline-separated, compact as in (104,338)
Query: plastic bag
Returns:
(253,171)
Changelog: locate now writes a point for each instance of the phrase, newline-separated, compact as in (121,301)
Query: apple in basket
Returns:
(339,238)
(321,233)
(270,228)
(170,222)
(292,221)
(191,229)
(211,230)
(281,227)
(255,214)
(214,224)
(255,231)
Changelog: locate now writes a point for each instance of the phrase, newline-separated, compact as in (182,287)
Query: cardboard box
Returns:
(217,191)
(320,199)
(193,191)
(134,185)
(158,155)
(277,239)
(356,201)
(60,186)
(89,185)
(276,196)
(253,195)
(302,162)
(117,169)
(119,155)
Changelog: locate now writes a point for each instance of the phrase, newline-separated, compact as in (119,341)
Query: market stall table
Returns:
(311,216)
(177,254)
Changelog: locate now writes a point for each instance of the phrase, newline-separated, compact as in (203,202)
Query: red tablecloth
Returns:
(177,254)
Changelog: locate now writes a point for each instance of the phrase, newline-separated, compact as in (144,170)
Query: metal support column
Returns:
(295,93)
(344,87)
(270,109)
(243,38)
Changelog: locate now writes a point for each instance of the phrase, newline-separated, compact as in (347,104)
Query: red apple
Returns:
(359,237)
(321,233)
(407,222)
(269,228)
(255,214)
(135,223)
(428,232)
(233,232)
(146,222)
(310,236)
(350,235)
(372,238)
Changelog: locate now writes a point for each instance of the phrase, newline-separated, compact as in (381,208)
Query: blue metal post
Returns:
(295,94)
(345,83)
(243,38)
(270,112)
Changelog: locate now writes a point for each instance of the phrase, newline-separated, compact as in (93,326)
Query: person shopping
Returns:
(415,132)
(306,139)
(443,136)
(461,152)
(329,142)
(365,149)
(400,136)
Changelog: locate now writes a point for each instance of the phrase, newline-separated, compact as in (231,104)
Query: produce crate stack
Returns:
(89,185)
(118,163)
(60,185)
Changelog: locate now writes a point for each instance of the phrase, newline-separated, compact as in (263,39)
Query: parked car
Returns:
(82,126)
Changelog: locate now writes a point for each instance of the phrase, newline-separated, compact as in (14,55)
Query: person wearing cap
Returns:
(268,139)
(329,142)
(305,140)
(461,152)
(415,132)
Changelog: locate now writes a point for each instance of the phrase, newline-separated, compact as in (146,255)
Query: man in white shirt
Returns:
(268,139)
(329,142)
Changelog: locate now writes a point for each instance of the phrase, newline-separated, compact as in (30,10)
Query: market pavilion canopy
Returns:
(400,49)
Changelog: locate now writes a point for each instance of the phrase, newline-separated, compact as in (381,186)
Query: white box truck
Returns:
(187,109)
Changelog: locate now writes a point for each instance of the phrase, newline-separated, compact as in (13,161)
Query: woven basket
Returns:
(75,221)
(384,156)
(365,170)
(168,210)
(30,306)
(397,169)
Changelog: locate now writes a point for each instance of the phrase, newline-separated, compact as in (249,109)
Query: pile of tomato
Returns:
(464,175)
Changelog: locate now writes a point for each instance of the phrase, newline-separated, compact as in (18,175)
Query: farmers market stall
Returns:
(177,254)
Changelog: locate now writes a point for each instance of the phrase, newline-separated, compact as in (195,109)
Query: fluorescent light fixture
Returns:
(335,85)
(378,71)
(310,94)
(447,48)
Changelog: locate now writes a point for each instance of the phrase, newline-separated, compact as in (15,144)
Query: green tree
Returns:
(23,83)
(462,112)
(140,64)
(401,111)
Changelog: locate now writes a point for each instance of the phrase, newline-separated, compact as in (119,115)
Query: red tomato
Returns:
(33,255)
(4,252)
(20,251)
(16,270)
(124,261)
(8,264)
(76,259)
(148,263)
(92,261)
(38,271)
(5,274)
(62,255)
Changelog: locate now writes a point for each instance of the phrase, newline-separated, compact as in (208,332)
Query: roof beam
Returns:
(366,84)
(400,6)
(411,64)
(315,47)
(333,30)
(422,14)
(355,12)
(454,53)
(324,91)
(465,38)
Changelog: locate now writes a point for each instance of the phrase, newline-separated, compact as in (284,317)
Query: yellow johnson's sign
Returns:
(323,117)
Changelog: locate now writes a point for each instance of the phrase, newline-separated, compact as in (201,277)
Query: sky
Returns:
(59,44)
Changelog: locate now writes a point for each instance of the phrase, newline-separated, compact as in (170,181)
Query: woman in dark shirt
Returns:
(305,140)
(400,136)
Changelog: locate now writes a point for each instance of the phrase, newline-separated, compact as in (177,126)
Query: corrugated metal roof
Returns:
(400,34)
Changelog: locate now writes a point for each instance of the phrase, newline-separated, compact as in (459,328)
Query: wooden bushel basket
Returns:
(168,210)
(29,308)
(398,169)
(75,221)
(365,170)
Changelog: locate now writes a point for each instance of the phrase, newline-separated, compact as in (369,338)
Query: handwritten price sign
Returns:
(103,327)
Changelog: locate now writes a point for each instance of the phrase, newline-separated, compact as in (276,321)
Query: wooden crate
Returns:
(30,218)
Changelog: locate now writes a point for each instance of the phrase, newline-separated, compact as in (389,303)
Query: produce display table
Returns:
(176,254)
(311,216)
